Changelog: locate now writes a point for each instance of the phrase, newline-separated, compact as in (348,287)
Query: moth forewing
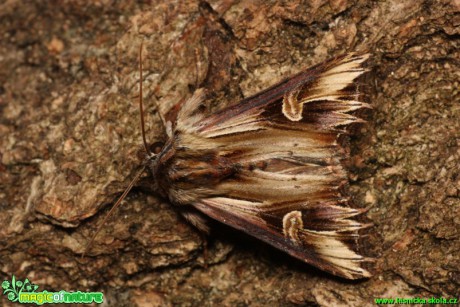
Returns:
(271,165)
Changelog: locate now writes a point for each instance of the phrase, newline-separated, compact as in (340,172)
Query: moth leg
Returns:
(200,222)
(197,219)
(205,250)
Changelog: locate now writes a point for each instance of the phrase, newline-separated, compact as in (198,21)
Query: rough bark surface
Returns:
(70,137)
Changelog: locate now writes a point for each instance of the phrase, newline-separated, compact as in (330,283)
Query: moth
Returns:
(271,165)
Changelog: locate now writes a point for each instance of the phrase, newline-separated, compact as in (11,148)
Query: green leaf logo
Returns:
(5,284)
(15,287)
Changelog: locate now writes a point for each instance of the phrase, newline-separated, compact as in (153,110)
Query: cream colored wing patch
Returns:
(327,87)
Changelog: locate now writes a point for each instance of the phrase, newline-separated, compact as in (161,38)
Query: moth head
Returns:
(151,155)
(154,149)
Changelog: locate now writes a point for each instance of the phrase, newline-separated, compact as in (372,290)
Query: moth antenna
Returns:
(141,105)
(114,207)
(139,173)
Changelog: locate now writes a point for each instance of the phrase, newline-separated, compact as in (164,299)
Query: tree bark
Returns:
(70,143)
